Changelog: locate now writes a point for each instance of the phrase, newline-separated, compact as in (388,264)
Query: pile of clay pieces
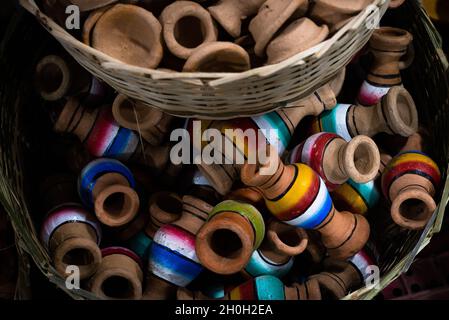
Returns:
(206,36)
(138,223)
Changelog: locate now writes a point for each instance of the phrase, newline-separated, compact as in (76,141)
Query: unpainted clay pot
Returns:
(336,160)
(275,256)
(230,13)
(173,261)
(186,25)
(71,236)
(89,24)
(410,181)
(58,77)
(395,114)
(233,231)
(299,36)
(119,276)
(391,49)
(108,186)
(164,208)
(103,137)
(296,195)
(271,17)
(130,34)
(338,279)
(218,57)
(337,13)
(220,176)
(149,122)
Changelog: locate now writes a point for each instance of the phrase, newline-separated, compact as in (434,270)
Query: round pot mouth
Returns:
(388,38)
(362,159)
(117,284)
(286,239)
(82,253)
(52,78)
(165,207)
(412,209)
(401,112)
(224,246)
(134,115)
(116,205)
(218,57)
(181,16)
(136,42)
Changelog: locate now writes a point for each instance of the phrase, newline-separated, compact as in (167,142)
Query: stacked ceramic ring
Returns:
(222,36)
(157,215)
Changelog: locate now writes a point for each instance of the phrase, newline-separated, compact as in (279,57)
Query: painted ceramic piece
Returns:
(410,182)
(388,46)
(233,231)
(296,195)
(336,160)
(103,137)
(108,186)
(395,114)
(119,275)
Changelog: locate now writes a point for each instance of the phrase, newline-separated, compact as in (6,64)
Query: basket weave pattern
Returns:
(225,95)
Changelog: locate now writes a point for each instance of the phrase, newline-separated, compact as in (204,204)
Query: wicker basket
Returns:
(225,95)
(24,124)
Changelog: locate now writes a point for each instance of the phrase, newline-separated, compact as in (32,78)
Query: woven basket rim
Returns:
(214,78)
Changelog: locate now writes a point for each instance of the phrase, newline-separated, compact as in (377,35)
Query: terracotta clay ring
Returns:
(271,17)
(186,25)
(361,159)
(165,207)
(299,36)
(286,239)
(412,209)
(119,275)
(401,112)
(130,34)
(53,78)
(116,205)
(224,245)
(84,253)
(126,110)
(218,57)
